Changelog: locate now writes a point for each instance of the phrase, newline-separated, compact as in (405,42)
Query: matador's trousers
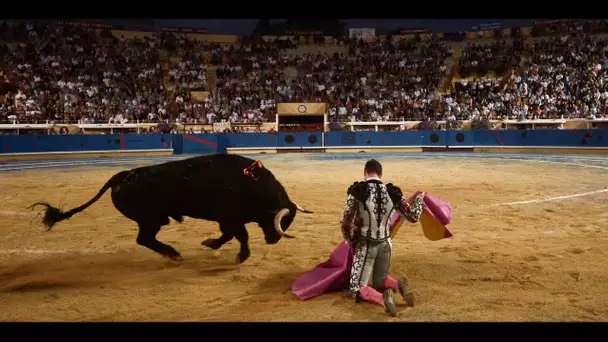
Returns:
(370,256)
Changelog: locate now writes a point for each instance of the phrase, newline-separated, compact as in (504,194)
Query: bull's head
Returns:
(281,222)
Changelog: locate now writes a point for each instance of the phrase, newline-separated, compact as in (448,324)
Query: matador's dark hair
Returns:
(373,166)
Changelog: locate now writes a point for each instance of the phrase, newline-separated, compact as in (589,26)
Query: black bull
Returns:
(229,189)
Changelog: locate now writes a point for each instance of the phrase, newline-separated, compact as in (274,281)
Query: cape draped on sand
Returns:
(334,273)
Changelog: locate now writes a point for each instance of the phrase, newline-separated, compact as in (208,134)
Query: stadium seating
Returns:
(71,74)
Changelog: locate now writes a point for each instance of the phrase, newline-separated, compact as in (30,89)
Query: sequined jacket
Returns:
(369,208)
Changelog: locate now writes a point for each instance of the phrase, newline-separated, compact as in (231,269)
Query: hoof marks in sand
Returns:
(175,261)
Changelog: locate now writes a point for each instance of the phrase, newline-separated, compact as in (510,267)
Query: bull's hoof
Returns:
(211,243)
(177,258)
(241,257)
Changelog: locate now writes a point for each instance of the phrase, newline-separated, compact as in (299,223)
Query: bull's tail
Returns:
(53,215)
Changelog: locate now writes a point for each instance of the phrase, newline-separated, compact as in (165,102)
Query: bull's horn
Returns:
(302,209)
(277,223)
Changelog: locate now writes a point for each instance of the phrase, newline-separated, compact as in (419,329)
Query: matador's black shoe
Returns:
(389,302)
(406,291)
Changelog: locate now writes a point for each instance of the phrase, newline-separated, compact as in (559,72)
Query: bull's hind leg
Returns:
(147,238)
(219,242)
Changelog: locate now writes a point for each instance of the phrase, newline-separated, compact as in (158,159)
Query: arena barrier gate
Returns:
(543,141)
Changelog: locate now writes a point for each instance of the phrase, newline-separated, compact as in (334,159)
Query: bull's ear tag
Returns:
(249,170)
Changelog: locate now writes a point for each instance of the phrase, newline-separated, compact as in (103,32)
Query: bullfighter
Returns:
(366,225)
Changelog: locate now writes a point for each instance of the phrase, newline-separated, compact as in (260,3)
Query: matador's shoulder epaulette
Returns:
(394,192)
(359,190)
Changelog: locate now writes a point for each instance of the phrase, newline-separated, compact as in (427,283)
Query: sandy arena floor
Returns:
(544,260)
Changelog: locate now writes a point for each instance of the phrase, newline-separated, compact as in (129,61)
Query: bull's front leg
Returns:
(227,235)
(242,236)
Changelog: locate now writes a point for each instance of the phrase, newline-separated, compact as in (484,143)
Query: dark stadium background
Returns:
(243,27)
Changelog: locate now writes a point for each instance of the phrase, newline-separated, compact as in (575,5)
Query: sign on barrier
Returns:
(460,139)
(433,138)
(299,140)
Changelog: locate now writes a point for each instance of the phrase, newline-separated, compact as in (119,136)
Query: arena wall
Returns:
(374,139)
(300,140)
(550,138)
(555,141)
(28,146)
(198,143)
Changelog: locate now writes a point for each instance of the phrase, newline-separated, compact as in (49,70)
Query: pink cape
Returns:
(334,273)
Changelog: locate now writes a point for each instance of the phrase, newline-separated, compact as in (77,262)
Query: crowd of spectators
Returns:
(70,74)
(563,75)
(496,57)
(365,81)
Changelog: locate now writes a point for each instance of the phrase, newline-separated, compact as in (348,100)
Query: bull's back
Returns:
(207,187)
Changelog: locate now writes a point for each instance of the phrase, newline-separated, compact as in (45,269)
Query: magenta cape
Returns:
(334,273)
